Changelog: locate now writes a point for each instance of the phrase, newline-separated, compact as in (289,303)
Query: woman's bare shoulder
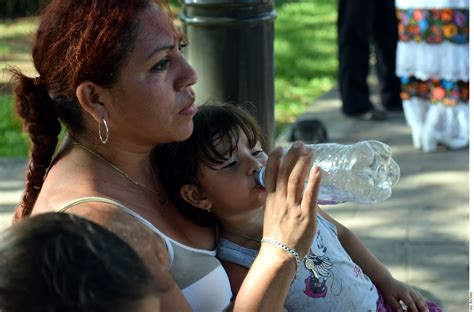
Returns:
(146,242)
(143,240)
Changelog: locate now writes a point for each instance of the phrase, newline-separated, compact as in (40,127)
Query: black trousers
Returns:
(361,22)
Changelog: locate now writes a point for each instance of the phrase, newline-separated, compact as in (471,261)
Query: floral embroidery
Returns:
(437,90)
(434,26)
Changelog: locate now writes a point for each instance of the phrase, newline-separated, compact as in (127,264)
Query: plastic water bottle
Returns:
(363,172)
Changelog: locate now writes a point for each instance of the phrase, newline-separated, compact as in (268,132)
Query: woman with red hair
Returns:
(111,72)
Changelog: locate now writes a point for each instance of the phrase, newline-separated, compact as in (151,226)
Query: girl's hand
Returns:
(393,291)
(290,209)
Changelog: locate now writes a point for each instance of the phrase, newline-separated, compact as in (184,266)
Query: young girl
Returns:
(215,184)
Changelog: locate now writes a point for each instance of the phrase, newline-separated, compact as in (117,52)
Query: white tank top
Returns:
(198,273)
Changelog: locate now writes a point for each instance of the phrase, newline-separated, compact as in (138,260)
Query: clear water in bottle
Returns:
(364,172)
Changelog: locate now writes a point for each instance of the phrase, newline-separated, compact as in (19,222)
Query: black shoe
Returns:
(371,115)
(394,109)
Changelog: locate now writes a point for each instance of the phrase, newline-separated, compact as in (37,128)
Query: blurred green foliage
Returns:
(13,141)
(19,8)
(305,55)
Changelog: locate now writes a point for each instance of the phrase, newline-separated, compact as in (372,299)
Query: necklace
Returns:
(242,236)
(161,196)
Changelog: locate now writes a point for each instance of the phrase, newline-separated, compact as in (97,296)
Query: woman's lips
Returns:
(189,110)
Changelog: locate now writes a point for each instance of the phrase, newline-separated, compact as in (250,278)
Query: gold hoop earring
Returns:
(106,132)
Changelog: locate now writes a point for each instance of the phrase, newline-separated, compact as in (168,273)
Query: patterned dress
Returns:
(328,280)
(433,65)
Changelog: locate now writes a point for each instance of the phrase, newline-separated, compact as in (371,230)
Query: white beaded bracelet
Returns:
(290,250)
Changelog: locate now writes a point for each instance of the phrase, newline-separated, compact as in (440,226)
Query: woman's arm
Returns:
(237,274)
(290,218)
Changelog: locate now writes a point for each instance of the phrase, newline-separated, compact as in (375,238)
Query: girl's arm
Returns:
(392,290)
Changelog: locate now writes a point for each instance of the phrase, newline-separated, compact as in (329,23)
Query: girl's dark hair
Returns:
(178,163)
(77,40)
(61,262)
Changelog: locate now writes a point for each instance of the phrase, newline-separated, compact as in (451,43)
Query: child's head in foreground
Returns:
(212,174)
(62,262)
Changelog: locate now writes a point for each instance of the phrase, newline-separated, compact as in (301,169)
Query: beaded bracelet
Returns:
(290,250)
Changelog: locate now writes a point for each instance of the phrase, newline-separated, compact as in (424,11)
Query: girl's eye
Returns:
(256,153)
(182,45)
(161,65)
(230,165)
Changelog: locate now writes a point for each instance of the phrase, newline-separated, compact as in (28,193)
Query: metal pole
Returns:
(232,51)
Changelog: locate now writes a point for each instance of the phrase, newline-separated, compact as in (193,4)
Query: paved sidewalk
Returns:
(12,171)
(420,233)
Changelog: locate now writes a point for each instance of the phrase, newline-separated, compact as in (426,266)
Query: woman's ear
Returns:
(195,197)
(92,99)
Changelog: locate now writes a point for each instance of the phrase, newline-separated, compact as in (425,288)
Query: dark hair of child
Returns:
(61,262)
(178,163)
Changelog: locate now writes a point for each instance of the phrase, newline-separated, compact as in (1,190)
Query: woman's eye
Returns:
(230,165)
(256,153)
(161,65)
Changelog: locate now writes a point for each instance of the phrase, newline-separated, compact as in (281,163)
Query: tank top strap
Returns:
(127,210)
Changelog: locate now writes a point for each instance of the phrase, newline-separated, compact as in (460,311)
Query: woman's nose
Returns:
(187,76)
